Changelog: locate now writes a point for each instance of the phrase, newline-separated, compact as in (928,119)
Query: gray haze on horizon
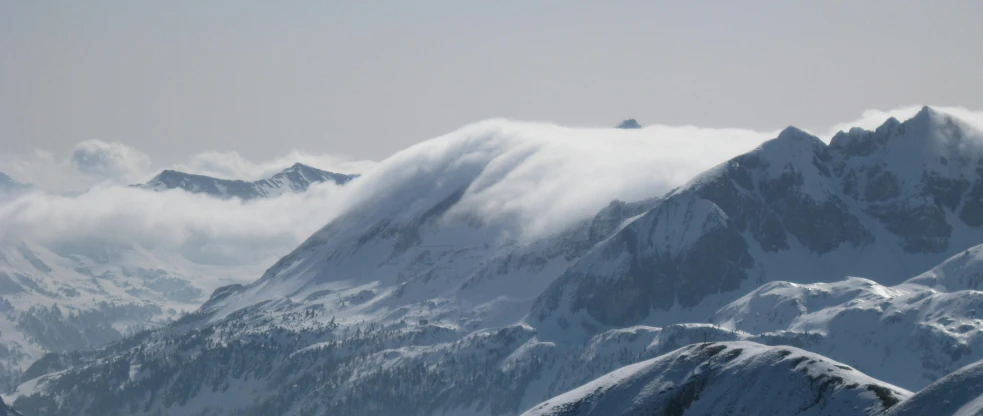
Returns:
(366,79)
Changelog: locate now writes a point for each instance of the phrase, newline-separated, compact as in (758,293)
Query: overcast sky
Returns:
(367,78)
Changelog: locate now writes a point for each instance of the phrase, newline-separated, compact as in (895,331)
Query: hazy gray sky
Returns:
(367,78)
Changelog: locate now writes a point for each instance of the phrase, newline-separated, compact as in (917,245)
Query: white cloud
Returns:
(81,210)
(41,169)
(111,161)
(203,229)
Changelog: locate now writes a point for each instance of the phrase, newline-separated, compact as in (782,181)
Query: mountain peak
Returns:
(170,172)
(794,140)
(888,125)
(929,122)
(794,133)
(629,124)
(926,111)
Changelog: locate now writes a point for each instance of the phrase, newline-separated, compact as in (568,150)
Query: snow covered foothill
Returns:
(734,378)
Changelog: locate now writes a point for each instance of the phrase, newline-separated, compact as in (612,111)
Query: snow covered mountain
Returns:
(734,378)
(416,300)
(629,124)
(296,178)
(885,205)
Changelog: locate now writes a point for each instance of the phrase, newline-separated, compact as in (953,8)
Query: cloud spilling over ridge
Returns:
(531,179)
(871,119)
(534,178)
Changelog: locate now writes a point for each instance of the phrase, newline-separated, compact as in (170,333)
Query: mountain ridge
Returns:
(296,178)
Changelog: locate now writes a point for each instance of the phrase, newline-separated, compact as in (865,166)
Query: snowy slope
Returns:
(734,378)
(296,178)
(911,334)
(51,302)
(957,394)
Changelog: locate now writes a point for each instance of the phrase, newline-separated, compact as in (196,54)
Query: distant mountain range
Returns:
(297,178)
(736,293)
